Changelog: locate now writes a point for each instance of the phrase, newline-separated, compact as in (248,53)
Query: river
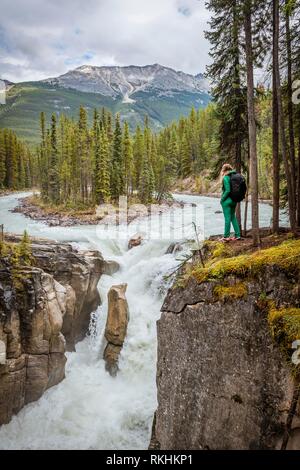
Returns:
(90,409)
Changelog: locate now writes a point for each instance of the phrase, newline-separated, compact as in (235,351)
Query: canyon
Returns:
(45,310)
(222,381)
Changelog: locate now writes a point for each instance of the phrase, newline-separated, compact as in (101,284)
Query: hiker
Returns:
(234,191)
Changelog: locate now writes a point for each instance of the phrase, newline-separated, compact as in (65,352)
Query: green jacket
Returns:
(226,186)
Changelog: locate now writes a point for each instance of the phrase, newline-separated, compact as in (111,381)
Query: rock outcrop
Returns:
(110,267)
(174,248)
(32,307)
(79,272)
(223,383)
(116,326)
(44,310)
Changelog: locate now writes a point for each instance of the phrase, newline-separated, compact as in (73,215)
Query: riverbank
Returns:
(202,185)
(9,192)
(216,196)
(34,208)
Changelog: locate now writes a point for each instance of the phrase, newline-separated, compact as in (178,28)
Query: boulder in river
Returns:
(174,248)
(110,267)
(136,240)
(116,326)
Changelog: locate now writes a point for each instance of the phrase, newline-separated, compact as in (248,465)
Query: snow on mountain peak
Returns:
(126,81)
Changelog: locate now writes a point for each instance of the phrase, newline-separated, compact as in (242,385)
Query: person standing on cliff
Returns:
(233,191)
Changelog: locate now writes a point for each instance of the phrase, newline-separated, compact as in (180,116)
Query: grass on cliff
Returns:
(221,264)
(17,254)
(284,323)
(232,292)
(285,256)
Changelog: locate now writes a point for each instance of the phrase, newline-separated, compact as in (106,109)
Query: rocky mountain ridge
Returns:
(127,81)
(161,93)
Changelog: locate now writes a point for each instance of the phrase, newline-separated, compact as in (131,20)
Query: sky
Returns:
(46,38)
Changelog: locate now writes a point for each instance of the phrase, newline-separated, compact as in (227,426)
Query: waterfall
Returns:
(90,409)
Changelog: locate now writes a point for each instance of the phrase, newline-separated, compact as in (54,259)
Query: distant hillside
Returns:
(159,92)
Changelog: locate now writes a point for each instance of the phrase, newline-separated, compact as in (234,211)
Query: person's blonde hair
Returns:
(226,168)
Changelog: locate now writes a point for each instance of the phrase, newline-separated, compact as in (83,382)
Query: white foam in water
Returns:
(90,409)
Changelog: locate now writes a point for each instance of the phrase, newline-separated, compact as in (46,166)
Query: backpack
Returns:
(238,187)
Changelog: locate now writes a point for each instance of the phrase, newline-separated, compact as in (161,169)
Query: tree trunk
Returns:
(237,91)
(284,148)
(298,183)
(275,129)
(290,99)
(252,126)
(238,167)
(247,198)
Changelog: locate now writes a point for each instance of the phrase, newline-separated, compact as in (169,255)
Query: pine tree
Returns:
(146,184)
(128,159)
(84,155)
(97,163)
(184,156)
(96,122)
(275,131)
(104,169)
(2,160)
(228,76)
(248,8)
(173,155)
(43,159)
(20,156)
(25,252)
(53,174)
(11,160)
(281,121)
(138,155)
(117,163)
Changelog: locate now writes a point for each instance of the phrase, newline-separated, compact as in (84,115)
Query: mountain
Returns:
(8,83)
(159,92)
(127,81)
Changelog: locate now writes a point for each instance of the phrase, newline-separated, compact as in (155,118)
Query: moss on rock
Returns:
(218,249)
(285,328)
(231,292)
(286,256)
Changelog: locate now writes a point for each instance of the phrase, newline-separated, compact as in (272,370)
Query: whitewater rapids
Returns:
(90,409)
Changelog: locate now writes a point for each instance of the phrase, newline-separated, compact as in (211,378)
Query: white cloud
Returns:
(42,38)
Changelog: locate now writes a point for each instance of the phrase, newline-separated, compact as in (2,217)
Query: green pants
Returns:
(229,207)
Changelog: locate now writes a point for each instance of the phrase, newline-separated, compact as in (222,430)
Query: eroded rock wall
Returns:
(222,382)
(32,306)
(79,272)
(44,311)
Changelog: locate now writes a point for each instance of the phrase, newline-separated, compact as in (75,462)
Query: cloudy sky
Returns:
(44,38)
